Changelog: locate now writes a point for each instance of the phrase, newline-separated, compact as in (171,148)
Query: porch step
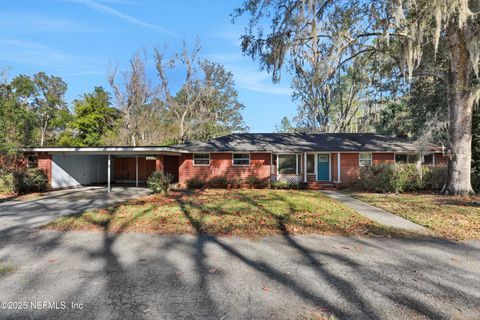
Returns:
(322,186)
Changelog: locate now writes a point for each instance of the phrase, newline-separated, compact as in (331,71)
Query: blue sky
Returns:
(79,39)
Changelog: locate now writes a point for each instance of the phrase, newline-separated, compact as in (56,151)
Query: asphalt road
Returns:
(147,276)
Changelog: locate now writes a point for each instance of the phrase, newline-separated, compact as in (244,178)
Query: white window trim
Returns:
(241,165)
(296,164)
(201,165)
(360,162)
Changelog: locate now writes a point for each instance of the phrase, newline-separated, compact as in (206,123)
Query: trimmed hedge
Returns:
(400,178)
(160,181)
(30,180)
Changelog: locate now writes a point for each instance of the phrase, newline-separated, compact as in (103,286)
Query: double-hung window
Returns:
(201,159)
(365,159)
(241,159)
(287,163)
(406,158)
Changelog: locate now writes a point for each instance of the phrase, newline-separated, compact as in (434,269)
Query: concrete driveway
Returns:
(99,275)
(21,215)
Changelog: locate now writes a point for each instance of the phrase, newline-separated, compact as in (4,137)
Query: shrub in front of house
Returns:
(400,178)
(6,182)
(434,178)
(160,181)
(285,184)
(196,183)
(217,182)
(30,180)
(255,182)
(235,182)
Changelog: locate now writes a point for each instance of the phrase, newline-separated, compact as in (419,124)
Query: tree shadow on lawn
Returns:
(123,283)
(343,287)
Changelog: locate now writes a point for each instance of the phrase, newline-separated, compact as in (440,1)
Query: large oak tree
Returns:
(327,35)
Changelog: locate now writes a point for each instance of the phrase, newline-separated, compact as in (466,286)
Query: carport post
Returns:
(108,179)
(136,171)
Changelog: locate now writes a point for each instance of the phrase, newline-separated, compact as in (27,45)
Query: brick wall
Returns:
(334,167)
(440,160)
(221,166)
(45,164)
(378,158)
(349,167)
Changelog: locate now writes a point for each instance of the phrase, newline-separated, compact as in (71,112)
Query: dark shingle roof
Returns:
(302,142)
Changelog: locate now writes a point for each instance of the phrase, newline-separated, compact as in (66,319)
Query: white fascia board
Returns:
(107,150)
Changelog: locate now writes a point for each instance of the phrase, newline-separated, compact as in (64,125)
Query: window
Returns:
(406,158)
(32,161)
(201,159)
(287,163)
(412,158)
(241,159)
(310,163)
(365,159)
(401,158)
(428,159)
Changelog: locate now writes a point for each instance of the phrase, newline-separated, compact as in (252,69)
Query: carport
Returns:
(75,167)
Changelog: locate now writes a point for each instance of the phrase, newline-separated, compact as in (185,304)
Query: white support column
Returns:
(136,171)
(108,179)
(305,167)
(339,171)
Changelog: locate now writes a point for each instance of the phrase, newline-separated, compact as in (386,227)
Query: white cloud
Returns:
(20,22)
(115,13)
(32,53)
(36,57)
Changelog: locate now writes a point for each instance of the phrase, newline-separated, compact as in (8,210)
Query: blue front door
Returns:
(323,164)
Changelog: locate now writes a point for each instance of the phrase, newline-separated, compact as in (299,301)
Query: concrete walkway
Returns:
(378,215)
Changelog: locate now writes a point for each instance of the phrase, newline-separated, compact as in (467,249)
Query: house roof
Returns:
(304,142)
(108,150)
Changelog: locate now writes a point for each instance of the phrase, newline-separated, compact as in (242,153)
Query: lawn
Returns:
(4,269)
(250,213)
(446,216)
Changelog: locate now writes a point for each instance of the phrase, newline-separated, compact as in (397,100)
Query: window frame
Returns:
(241,153)
(279,155)
(201,164)
(360,159)
(314,163)
(408,155)
(433,159)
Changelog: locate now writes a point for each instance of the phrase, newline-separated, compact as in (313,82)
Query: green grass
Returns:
(4,269)
(246,212)
(446,216)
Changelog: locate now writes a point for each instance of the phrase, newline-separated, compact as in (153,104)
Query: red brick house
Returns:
(300,157)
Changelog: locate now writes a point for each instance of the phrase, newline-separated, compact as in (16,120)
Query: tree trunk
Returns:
(460,107)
